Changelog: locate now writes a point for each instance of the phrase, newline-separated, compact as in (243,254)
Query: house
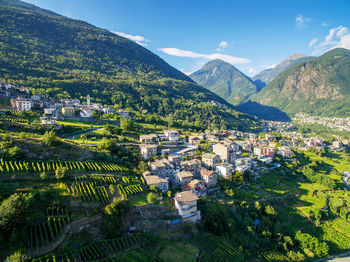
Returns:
(172,135)
(186,204)
(148,138)
(175,159)
(266,159)
(191,165)
(22,104)
(196,186)
(50,111)
(108,110)
(224,170)
(157,181)
(123,113)
(202,136)
(193,140)
(162,168)
(209,177)
(148,151)
(242,168)
(86,112)
(224,152)
(183,177)
(210,160)
(68,111)
(48,120)
(258,151)
(285,152)
(337,144)
(269,151)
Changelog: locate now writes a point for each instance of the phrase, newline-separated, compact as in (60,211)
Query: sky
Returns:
(251,35)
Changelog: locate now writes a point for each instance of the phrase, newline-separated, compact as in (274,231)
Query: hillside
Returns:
(320,86)
(266,76)
(224,80)
(63,57)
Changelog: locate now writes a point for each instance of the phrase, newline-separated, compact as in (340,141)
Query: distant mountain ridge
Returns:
(266,76)
(225,80)
(65,57)
(320,86)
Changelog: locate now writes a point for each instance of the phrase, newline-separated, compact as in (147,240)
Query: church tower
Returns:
(88,100)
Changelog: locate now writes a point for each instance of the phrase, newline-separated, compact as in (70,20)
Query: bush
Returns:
(43,176)
(49,138)
(60,173)
(151,198)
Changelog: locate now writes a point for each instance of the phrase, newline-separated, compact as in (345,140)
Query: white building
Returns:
(48,120)
(23,104)
(172,135)
(148,151)
(224,170)
(186,204)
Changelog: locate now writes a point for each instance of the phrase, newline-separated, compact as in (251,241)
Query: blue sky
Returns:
(251,35)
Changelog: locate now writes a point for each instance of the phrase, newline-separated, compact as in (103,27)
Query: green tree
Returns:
(168,193)
(16,257)
(151,198)
(49,138)
(125,124)
(60,173)
(43,176)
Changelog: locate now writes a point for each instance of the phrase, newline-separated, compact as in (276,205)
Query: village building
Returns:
(224,170)
(196,186)
(183,177)
(86,112)
(157,181)
(193,140)
(123,113)
(224,152)
(209,177)
(68,111)
(210,160)
(191,165)
(148,138)
(148,151)
(172,135)
(22,104)
(162,168)
(48,120)
(186,204)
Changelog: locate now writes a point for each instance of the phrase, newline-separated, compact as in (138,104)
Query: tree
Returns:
(43,176)
(16,257)
(111,189)
(49,138)
(270,210)
(154,188)
(83,138)
(151,198)
(125,124)
(168,193)
(60,173)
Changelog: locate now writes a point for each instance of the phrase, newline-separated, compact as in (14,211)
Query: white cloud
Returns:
(222,46)
(324,24)
(337,37)
(301,21)
(136,38)
(313,41)
(191,54)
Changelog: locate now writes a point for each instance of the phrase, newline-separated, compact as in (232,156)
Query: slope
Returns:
(64,57)
(320,86)
(224,80)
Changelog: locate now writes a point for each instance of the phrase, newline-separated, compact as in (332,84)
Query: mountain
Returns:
(266,76)
(320,86)
(61,57)
(224,80)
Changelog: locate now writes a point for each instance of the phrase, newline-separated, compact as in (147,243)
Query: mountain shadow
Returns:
(263,112)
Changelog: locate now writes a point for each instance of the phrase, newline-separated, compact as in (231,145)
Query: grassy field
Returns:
(138,201)
(178,251)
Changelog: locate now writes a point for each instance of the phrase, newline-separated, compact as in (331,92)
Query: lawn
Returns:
(138,201)
(178,251)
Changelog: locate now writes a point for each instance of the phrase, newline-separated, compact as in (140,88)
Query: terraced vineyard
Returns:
(274,256)
(129,190)
(89,192)
(10,167)
(213,249)
(13,120)
(49,229)
(108,250)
